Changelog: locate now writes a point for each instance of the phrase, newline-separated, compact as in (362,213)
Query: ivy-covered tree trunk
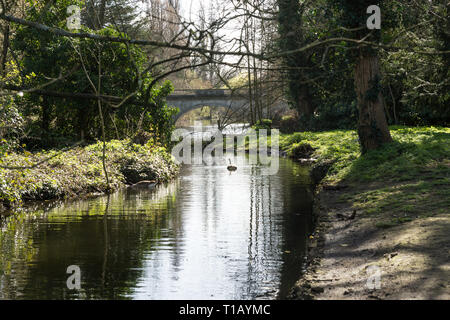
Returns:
(291,38)
(373,129)
(305,105)
(6,32)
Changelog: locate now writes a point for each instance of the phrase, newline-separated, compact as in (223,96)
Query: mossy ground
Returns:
(79,171)
(403,180)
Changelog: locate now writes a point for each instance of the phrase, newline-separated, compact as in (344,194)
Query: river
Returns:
(210,234)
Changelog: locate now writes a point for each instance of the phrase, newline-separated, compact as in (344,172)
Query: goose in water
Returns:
(231,167)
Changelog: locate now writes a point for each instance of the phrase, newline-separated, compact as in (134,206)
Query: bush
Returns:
(263,124)
(289,124)
(80,171)
(302,150)
(11,125)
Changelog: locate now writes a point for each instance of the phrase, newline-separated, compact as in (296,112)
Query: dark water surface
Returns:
(207,235)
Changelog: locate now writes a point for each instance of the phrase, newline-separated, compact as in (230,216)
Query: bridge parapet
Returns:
(208,92)
(211,92)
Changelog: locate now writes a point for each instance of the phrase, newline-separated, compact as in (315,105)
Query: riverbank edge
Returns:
(128,164)
(327,276)
(304,288)
(344,255)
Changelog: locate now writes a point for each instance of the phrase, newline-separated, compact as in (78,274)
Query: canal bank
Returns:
(78,171)
(383,223)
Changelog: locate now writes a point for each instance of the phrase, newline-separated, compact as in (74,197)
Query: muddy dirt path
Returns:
(353,259)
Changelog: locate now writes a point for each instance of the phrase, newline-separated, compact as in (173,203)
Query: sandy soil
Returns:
(347,255)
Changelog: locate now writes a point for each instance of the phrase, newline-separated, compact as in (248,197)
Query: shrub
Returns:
(79,171)
(263,124)
(11,125)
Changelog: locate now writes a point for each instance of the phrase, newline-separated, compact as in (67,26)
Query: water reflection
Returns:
(208,235)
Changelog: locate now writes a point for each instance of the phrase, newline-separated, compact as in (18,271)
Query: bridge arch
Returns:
(188,100)
(187,107)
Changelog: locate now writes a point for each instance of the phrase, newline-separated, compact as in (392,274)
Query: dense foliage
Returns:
(88,67)
(415,85)
(79,171)
(11,125)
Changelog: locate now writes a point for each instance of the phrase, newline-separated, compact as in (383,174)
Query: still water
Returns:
(210,234)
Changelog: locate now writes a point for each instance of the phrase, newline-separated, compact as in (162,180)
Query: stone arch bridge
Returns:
(190,99)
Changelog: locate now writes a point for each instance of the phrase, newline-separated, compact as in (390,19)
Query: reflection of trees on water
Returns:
(264,238)
(280,207)
(209,232)
(17,251)
(106,244)
(37,250)
(298,224)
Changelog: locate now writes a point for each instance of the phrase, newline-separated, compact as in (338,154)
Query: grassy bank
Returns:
(79,171)
(401,196)
(405,179)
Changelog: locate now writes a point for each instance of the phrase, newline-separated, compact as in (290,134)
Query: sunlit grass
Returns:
(80,171)
(402,180)
(414,151)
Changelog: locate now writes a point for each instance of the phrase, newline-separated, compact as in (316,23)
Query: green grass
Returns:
(415,151)
(402,180)
(80,171)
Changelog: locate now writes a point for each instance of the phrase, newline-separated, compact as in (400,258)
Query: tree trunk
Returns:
(373,129)
(82,123)
(5,49)
(101,15)
(305,106)
(46,114)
